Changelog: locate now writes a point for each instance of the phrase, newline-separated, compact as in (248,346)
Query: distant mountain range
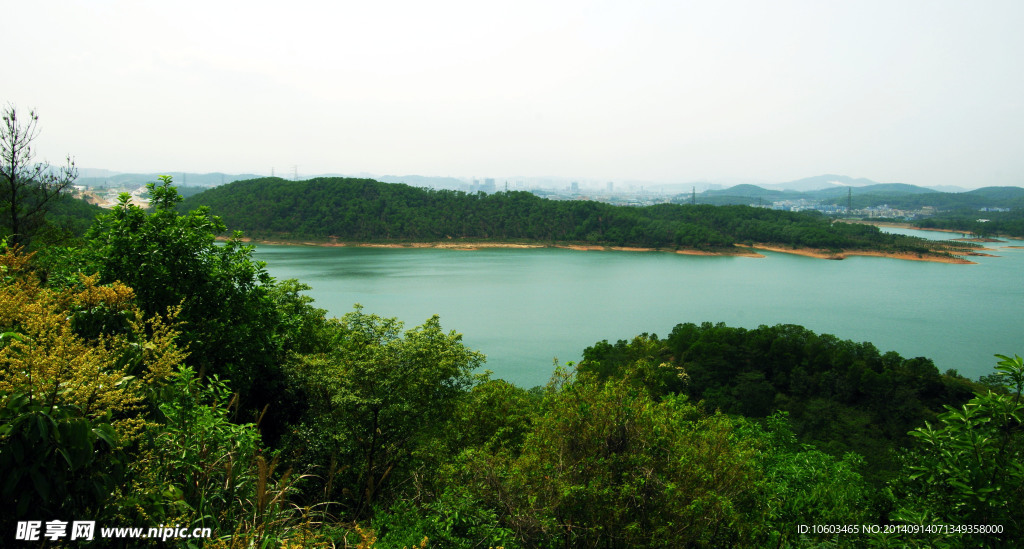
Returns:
(896,195)
(829,181)
(817,187)
(91,177)
(821,182)
(781,192)
(826,182)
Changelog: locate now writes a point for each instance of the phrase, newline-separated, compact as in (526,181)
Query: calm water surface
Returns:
(524,308)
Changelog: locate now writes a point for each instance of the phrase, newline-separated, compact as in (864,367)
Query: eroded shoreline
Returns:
(738,251)
(825,254)
(471,246)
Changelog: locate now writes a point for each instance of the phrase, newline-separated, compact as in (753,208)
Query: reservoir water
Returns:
(524,308)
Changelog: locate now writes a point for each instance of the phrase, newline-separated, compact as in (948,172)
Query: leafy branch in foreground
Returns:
(968,468)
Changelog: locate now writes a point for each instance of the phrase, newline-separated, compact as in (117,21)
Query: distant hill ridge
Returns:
(94,176)
(822,182)
(897,195)
(97,178)
(828,188)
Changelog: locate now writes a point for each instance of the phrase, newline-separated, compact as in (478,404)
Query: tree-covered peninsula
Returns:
(364,210)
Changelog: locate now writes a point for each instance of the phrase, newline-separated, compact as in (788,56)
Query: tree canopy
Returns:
(840,395)
(173,260)
(368,211)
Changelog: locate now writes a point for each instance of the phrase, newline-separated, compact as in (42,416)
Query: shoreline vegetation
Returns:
(363,212)
(993,237)
(738,251)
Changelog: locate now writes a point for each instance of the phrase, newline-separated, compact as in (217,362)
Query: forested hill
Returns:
(365,210)
(840,395)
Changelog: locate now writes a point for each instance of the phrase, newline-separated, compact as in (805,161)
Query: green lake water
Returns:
(525,307)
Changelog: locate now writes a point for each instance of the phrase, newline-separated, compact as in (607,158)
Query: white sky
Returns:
(922,92)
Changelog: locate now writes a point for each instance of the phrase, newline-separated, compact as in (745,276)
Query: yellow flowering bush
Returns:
(44,358)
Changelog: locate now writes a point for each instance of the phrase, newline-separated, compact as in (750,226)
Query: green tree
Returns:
(377,396)
(491,419)
(968,469)
(801,485)
(203,470)
(607,465)
(494,415)
(28,189)
(841,395)
(231,323)
(56,459)
(72,405)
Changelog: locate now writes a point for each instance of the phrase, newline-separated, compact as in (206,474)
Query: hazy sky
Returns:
(922,92)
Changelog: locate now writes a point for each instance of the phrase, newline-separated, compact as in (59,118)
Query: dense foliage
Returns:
(373,397)
(978,223)
(170,261)
(69,219)
(840,395)
(128,397)
(76,369)
(366,210)
(967,467)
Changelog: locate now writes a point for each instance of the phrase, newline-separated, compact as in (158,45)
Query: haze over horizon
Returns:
(924,93)
(521,182)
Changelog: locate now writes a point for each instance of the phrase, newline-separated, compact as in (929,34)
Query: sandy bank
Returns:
(738,251)
(447,245)
(895,225)
(469,246)
(825,254)
(977,240)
